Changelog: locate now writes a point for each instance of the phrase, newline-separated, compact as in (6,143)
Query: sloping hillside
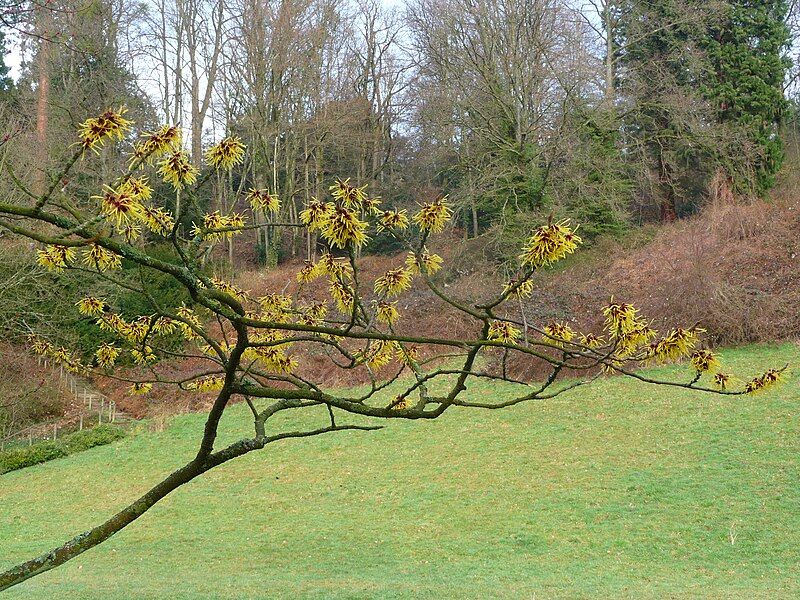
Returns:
(734,268)
(619,490)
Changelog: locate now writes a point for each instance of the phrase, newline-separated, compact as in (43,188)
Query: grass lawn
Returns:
(619,490)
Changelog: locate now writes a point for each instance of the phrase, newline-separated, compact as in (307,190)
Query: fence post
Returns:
(80,424)
(55,431)
(30,438)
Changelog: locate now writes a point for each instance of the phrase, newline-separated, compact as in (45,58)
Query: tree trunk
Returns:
(89,539)
(43,100)
(608,25)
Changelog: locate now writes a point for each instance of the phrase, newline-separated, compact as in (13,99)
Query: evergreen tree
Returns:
(746,47)
(705,83)
(666,127)
(6,83)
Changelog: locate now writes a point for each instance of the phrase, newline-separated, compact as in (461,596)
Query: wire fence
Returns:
(96,409)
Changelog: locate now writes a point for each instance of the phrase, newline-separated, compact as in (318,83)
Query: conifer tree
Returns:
(746,49)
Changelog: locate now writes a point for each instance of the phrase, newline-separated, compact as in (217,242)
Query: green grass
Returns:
(620,490)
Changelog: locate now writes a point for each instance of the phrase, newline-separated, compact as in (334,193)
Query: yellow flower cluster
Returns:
(91,306)
(164,326)
(119,206)
(137,187)
(113,323)
(143,355)
(158,220)
(400,403)
(590,340)
(623,322)
(523,290)
(371,206)
(620,317)
(125,206)
(155,144)
(308,273)
(216,226)
(276,360)
(503,331)
(342,227)
(316,214)
(314,315)
(704,361)
(229,288)
(213,383)
(140,389)
(763,382)
(138,329)
(134,332)
(55,258)
(558,333)
(176,169)
(39,346)
(103,260)
(676,344)
(189,319)
(111,124)
(393,282)
(342,296)
(429,263)
(107,355)
(408,355)
(549,243)
(335,268)
(275,307)
(273,358)
(630,340)
(386,312)
(433,216)
(59,355)
(261,199)
(722,380)
(393,219)
(347,195)
(68,360)
(379,353)
(225,154)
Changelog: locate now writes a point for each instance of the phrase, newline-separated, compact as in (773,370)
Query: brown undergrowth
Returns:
(734,268)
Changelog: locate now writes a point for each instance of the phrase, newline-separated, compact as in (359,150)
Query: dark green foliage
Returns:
(6,83)
(383,243)
(706,85)
(162,288)
(19,458)
(667,126)
(46,301)
(89,438)
(746,45)
(598,191)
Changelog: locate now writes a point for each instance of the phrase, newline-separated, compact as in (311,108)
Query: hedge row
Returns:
(19,458)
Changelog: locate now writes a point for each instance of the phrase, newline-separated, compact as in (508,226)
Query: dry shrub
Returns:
(733,268)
